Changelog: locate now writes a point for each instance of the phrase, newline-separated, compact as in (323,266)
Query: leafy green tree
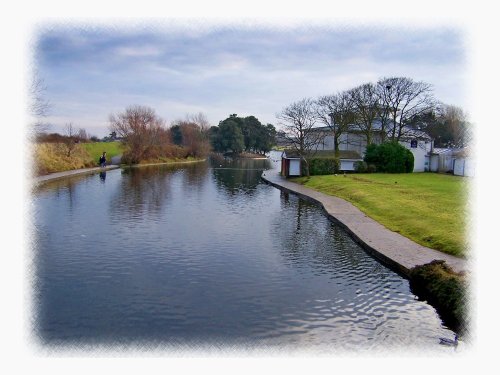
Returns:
(251,128)
(231,137)
(257,138)
(215,139)
(268,138)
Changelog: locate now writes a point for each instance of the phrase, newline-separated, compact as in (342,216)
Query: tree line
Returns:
(237,134)
(147,137)
(389,108)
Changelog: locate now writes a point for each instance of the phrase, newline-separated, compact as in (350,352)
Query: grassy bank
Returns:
(428,208)
(96,149)
(53,157)
(446,290)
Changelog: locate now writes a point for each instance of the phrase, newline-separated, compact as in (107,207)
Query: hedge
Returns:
(322,165)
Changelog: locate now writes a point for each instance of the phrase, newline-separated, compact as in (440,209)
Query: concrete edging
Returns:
(391,248)
(74,172)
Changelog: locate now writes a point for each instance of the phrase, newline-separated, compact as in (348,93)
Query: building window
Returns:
(414,143)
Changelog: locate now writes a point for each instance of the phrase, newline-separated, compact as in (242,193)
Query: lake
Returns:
(206,255)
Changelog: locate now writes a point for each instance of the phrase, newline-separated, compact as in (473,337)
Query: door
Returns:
(294,167)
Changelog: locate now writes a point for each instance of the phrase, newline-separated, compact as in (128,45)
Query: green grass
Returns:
(96,149)
(429,208)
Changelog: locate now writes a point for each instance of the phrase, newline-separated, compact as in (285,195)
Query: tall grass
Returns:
(429,208)
(53,157)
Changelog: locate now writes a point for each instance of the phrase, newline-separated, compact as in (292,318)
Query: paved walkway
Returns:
(55,176)
(393,249)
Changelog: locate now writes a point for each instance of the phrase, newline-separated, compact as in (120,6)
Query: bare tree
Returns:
(367,107)
(82,135)
(298,121)
(39,106)
(337,112)
(199,119)
(384,114)
(192,137)
(403,99)
(70,139)
(143,132)
(460,129)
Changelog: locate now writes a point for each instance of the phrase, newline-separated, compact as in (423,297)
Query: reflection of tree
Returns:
(142,190)
(194,176)
(238,176)
(61,188)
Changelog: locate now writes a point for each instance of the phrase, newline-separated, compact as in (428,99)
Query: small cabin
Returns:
(291,164)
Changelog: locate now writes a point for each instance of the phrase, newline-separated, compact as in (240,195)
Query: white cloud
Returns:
(141,51)
(237,70)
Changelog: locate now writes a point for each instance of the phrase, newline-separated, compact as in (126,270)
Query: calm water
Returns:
(206,254)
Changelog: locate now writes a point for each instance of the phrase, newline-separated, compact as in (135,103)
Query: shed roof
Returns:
(343,154)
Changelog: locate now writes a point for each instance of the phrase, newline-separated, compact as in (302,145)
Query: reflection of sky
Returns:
(92,72)
(161,253)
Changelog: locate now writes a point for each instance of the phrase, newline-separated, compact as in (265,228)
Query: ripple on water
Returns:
(202,256)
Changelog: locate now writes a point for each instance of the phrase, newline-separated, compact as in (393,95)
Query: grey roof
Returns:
(407,133)
(343,154)
(439,150)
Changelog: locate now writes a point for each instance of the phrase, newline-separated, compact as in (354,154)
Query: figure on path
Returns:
(102,160)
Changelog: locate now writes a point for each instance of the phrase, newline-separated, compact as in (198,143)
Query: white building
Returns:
(458,161)
(418,142)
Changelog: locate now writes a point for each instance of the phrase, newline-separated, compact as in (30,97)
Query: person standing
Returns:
(102,160)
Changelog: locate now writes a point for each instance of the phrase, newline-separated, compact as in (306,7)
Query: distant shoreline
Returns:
(75,172)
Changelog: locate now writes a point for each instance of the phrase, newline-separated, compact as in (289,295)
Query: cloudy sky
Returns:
(92,71)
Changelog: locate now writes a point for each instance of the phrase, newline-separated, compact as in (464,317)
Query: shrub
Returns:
(321,166)
(390,157)
(371,168)
(444,289)
(360,166)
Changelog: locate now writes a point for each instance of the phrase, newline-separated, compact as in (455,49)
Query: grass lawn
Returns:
(429,208)
(96,149)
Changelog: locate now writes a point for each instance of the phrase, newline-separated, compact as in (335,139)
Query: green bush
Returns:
(360,166)
(322,165)
(390,157)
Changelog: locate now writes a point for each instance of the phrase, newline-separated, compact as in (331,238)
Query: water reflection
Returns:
(64,189)
(161,255)
(141,192)
(237,176)
(317,243)
(194,177)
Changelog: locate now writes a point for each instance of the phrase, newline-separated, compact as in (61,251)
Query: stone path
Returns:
(393,249)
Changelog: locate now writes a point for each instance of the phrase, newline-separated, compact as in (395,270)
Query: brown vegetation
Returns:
(146,138)
(53,157)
